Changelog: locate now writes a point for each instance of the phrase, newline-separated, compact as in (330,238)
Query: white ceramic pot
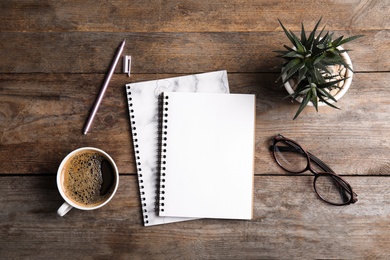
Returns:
(340,93)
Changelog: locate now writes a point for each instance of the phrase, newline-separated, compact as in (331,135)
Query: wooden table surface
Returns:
(53,59)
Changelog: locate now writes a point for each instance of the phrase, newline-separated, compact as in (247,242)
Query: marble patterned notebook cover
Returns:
(143,103)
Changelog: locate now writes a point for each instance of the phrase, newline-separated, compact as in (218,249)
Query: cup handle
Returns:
(65,207)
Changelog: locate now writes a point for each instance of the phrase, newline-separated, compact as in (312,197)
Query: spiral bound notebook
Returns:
(207,155)
(143,102)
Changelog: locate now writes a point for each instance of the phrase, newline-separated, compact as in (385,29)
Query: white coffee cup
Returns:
(71,203)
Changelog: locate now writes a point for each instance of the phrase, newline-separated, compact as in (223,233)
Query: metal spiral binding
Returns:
(163,149)
(137,156)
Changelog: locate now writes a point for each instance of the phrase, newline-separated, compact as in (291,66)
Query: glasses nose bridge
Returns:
(309,166)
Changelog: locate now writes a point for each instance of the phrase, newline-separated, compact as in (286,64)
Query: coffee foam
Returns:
(83,179)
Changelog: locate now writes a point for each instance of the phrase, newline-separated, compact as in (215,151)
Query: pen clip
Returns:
(127,64)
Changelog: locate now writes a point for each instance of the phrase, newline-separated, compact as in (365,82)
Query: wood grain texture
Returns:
(54,56)
(49,110)
(283,227)
(189,16)
(253,52)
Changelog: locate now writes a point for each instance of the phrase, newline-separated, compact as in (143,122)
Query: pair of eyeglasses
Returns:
(329,187)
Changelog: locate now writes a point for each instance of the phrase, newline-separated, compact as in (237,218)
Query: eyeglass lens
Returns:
(290,157)
(332,189)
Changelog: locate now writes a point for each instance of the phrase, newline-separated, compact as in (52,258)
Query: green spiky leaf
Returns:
(346,40)
(303,104)
(312,35)
(286,32)
(328,103)
(303,34)
(298,44)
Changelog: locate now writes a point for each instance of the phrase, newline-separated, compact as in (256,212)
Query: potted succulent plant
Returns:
(317,70)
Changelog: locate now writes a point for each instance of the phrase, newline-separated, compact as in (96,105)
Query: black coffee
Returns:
(88,178)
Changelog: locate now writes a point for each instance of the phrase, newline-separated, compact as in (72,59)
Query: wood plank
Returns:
(77,52)
(48,108)
(42,116)
(289,222)
(190,16)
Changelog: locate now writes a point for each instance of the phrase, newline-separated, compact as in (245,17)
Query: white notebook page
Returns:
(207,168)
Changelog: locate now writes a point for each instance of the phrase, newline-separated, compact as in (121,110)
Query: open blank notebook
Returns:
(144,117)
(207,155)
